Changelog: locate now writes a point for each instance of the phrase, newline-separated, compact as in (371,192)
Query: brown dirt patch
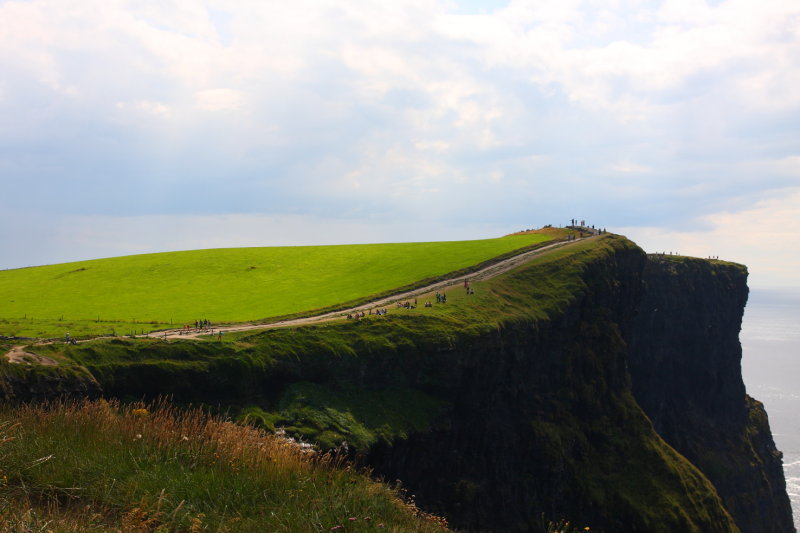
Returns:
(19,355)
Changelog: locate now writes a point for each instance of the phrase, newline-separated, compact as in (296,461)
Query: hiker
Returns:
(219,336)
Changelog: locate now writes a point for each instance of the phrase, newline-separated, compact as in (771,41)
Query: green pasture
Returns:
(145,292)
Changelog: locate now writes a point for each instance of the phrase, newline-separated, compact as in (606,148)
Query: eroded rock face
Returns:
(685,363)
(21,383)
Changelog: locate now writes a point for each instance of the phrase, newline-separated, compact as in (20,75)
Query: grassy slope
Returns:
(224,285)
(97,467)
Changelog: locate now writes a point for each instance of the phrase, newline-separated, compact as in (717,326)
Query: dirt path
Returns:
(18,355)
(486,273)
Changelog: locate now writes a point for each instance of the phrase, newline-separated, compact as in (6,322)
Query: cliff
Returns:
(35,383)
(529,402)
(685,362)
(541,424)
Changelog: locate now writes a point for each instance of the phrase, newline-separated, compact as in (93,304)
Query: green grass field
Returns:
(145,292)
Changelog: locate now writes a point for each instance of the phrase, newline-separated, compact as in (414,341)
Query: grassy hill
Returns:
(145,292)
(97,466)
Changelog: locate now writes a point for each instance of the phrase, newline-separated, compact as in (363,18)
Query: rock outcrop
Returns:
(33,383)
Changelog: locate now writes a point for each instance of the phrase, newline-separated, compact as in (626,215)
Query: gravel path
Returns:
(485,273)
(17,354)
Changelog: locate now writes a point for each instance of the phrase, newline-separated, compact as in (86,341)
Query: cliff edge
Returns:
(685,363)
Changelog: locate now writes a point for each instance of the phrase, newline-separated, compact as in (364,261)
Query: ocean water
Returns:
(770,339)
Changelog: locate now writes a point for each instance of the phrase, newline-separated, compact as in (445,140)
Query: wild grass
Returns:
(151,291)
(99,466)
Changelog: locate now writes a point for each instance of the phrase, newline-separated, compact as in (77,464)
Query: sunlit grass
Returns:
(146,292)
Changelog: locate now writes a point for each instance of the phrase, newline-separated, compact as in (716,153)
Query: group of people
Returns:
(407,304)
(198,325)
(469,289)
(582,227)
(441,298)
(358,315)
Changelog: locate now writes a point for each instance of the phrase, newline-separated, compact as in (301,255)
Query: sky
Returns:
(143,126)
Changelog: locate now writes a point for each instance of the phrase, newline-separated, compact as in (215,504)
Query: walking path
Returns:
(485,273)
(17,354)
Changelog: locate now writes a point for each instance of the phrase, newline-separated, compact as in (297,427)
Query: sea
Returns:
(770,340)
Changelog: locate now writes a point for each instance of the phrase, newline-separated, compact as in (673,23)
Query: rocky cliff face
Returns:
(34,383)
(542,425)
(685,363)
(542,419)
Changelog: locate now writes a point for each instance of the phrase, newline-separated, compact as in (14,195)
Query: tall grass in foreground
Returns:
(98,466)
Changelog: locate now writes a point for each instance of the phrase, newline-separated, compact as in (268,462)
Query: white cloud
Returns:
(219,99)
(686,38)
(789,165)
(628,167)
(147,107)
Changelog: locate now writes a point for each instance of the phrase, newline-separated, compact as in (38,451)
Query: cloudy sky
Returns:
(129,127)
